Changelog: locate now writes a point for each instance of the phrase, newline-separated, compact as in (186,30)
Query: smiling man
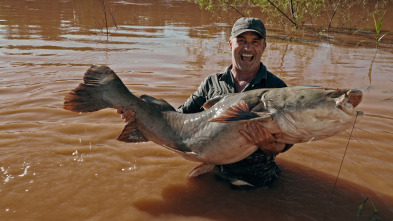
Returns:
(247,72)
(247,49)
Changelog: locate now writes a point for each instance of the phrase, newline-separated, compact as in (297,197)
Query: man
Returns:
(247,72)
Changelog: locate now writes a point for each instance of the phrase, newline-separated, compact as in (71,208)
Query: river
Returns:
(60,165)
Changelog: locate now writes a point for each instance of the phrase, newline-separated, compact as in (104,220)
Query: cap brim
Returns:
(239,32)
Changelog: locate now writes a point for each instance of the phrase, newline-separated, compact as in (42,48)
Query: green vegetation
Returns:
(375,216)
(318,15)
(294,12)
(378,27)
(377,35)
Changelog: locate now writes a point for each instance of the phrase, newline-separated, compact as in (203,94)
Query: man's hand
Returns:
(258,135)
(127,116)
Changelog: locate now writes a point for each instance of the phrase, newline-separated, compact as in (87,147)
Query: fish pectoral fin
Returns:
(200,170)
(131,134)
(241,112)
(263,116)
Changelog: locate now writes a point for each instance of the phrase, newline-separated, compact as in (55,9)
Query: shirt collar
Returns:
(261,75)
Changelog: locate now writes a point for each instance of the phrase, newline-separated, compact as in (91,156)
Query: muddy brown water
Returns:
(59,165)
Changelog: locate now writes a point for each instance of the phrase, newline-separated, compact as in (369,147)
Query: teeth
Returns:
(247,55)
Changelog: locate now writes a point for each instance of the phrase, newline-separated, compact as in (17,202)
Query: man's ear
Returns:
(230,43)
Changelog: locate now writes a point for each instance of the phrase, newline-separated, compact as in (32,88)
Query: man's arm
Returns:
(195,102)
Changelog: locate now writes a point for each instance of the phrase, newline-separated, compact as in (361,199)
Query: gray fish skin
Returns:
(300,114)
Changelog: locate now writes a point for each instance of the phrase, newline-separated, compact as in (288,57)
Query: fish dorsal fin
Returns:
(241,112)
(211,102)
(131,134)
(163,104)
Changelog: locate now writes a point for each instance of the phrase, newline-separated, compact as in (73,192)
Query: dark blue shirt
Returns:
(258,169)
(222,83)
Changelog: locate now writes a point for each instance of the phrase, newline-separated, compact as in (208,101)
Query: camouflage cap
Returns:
(245,24)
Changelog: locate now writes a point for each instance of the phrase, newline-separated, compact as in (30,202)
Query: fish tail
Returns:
(101,88)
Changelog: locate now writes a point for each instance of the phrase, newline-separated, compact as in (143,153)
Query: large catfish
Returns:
(299,114)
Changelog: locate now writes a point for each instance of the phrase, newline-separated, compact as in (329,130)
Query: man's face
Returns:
(247,50)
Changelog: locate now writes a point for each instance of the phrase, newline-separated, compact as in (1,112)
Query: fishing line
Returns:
(339,170)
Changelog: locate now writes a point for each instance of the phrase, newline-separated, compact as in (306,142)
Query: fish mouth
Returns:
(349,100)
(354,97)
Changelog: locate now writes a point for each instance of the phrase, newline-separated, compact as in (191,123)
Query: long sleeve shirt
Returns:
(222,83)
(258,169)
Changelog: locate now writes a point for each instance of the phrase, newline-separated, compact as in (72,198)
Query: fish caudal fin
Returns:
(85,98)
(89,96)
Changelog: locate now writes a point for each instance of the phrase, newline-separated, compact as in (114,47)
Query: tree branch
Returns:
(229,5)
(294,23)
(334,13)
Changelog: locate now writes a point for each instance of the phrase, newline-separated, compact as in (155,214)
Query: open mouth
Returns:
(354,97)
(349,100)
(247,57)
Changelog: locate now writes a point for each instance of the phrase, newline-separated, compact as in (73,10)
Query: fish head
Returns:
(305,113)
(347,100)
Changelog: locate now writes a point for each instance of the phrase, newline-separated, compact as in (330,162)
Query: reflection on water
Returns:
(54,163)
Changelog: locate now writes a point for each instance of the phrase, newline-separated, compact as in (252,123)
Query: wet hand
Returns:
(126,115)
(260,136)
